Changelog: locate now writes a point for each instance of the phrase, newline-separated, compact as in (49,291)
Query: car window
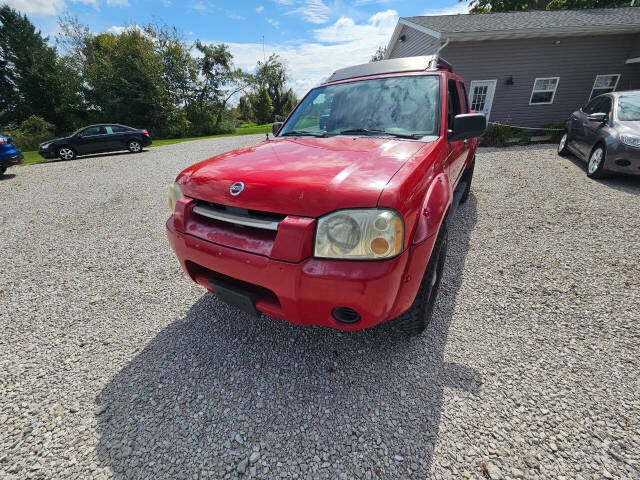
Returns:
(629,108)
(592,106)
(454,103)
(118,129)
(605,105)
(402,105)
(109,128)
(90,131)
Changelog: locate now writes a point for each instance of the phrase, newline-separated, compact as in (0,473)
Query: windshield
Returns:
(401,106)
(629,108)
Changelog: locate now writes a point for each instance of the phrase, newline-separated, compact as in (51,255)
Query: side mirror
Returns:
(467,125)
(598,117)
(276,127)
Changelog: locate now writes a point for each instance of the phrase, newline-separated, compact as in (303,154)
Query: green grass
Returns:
(33,157)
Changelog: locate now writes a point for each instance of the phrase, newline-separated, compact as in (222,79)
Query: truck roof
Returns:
(394,65)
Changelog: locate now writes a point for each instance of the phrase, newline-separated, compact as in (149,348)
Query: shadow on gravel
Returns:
(7,176)
(617,181)
(94,155)
(313,401)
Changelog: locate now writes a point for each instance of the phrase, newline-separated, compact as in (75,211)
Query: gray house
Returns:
(531,68)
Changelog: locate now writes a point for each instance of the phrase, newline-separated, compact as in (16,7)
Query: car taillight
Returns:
(144,132)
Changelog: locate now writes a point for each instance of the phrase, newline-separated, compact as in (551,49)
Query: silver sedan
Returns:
(605,133)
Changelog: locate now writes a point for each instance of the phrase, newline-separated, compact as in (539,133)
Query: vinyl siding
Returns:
(416,43)
(576,60)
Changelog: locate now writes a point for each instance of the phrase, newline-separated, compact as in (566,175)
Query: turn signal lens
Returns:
(175,194)
(379,246)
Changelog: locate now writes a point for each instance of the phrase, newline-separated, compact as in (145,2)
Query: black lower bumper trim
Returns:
(240,298)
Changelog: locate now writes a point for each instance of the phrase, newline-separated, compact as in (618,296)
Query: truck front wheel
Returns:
(418,316)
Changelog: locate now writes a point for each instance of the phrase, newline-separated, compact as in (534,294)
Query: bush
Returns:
(30,133)
(558,129)
(497,135)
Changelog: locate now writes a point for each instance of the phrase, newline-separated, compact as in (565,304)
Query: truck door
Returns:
(459,149)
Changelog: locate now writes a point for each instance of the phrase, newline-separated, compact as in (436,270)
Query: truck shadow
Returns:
(313,401)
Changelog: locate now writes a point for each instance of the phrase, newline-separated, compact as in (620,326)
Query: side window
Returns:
(463,89)
(606,105)
(109,129)
(592,106)
(453,102)
(118,129)
(90,131)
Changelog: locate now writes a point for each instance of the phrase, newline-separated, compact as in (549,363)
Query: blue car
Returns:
(9,154)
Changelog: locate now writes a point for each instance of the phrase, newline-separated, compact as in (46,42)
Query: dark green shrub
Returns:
(30,133)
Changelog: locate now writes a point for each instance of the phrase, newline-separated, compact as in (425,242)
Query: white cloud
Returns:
(312,11)
(37,7)
(275,23)
(454,9)
(118,29)
(259,9)
(118,3)
(312,62)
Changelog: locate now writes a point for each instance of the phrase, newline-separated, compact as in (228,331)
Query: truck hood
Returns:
(301,176)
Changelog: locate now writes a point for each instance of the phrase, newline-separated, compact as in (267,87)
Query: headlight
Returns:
(175,194)
(44,146)
(359,234)
(633,141)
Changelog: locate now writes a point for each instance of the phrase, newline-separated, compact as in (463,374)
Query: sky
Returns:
(314,37)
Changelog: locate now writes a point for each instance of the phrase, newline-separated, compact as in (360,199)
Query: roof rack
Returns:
(394,65)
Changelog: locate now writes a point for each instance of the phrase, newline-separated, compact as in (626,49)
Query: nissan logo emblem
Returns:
(236,188)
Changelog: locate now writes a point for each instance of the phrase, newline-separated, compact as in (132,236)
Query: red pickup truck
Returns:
(341,219)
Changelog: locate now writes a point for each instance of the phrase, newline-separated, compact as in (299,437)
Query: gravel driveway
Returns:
(114,365)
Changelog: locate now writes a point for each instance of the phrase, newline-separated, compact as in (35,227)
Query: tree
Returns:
(33,80)
(379,55)
(272,75)
(263,106)
(492,6)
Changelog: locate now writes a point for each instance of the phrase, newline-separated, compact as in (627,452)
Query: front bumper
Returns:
(306,293)
(48,153)
(622,158)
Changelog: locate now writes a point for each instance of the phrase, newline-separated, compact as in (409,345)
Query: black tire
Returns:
(134,146)
(2,170)
(467,177)
(598,171)
(418,316)
(562,145)
(66,153)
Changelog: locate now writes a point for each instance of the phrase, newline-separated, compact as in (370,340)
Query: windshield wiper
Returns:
(365,131)
(303,133)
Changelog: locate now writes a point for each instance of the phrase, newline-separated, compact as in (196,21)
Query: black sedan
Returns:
(96,139)
(605,133)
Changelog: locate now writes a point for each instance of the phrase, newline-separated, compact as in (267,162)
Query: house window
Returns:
(604,84)
(544,89)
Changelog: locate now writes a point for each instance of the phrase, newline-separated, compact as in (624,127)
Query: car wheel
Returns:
(134,146)
(562,145)
(2,170)
(595,164)
(418,316)
(66,153)
(467,177)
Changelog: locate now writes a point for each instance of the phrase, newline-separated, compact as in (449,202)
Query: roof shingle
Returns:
(532,19)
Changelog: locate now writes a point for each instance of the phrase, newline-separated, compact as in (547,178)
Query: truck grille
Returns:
(239,216)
